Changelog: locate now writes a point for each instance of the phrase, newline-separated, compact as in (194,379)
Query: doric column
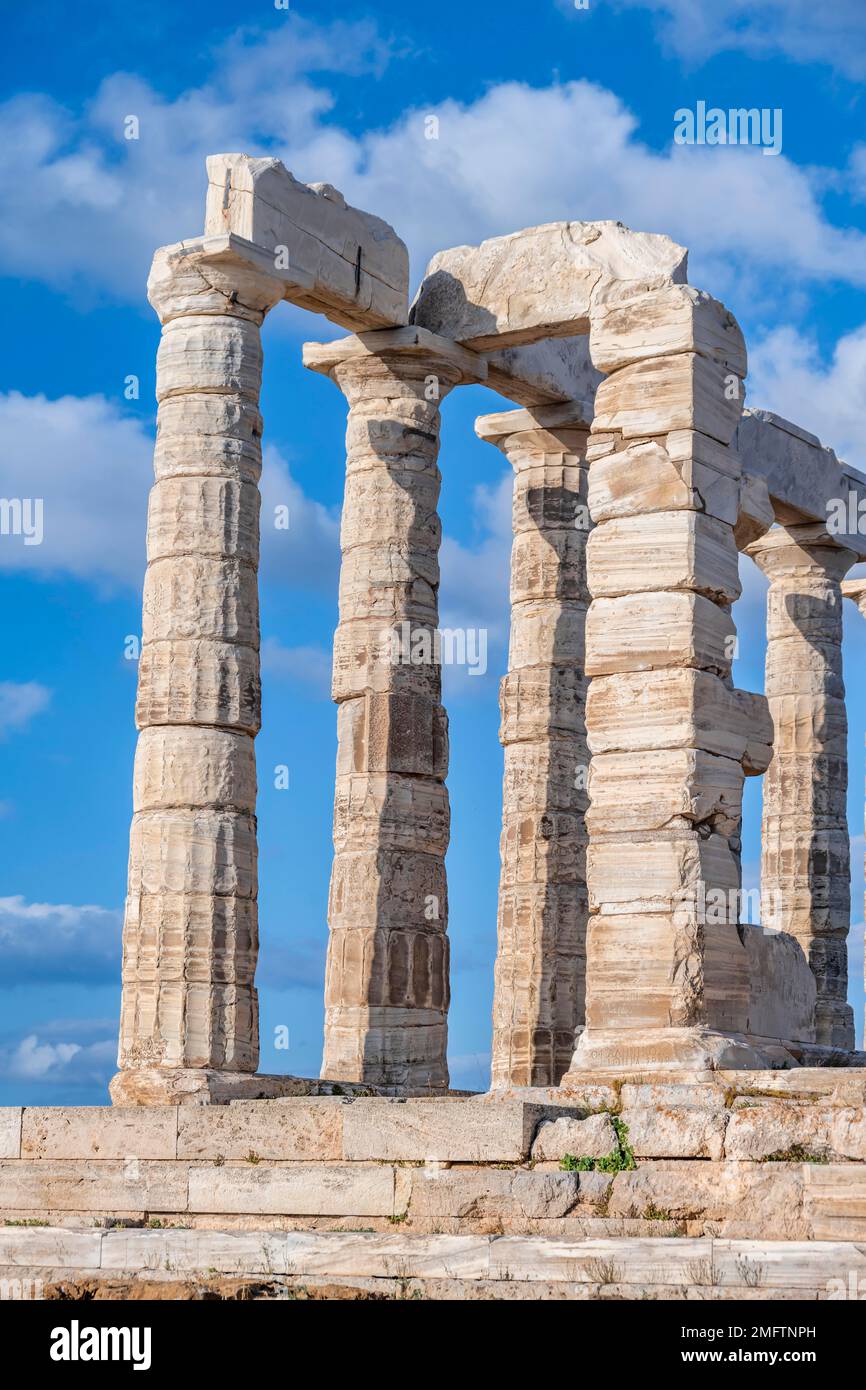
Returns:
(540,959)
(667,978)
(805,854)
(855,589)
(387,986)
(189,1012)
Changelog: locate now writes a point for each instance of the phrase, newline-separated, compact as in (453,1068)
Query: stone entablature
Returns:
(638,481)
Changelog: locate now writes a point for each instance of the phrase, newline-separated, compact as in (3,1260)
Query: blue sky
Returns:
(545,112)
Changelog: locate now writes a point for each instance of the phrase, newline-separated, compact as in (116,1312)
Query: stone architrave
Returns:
(805,851)
(540,961)
(539,283)
(387,980)
(330,257)
(189,1014)
(671,740)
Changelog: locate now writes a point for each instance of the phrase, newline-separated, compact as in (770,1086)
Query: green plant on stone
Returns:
(569,1164)
(619,1160)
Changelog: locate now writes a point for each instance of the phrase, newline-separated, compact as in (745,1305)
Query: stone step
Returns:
(687,1268)
(660,1121)
(672,1196)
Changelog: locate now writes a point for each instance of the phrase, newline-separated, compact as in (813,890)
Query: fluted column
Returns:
(387,981)
(855,589)
(805,855)
(541,948)
(189,1010)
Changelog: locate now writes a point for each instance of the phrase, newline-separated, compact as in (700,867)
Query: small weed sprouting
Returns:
(620,1159)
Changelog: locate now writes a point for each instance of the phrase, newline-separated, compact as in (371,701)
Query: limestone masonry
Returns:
(643,1020)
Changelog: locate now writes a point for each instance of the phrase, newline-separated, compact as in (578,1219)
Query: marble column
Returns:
(541,927)
(189,1017)
(805,856)
(671,740)
(855,589)
(387,980)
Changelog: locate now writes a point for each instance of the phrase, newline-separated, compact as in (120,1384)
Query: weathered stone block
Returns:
(640,632)
(199,682)
(10,1131)
(676,1131)
(630,325)
(51,1246)
(80,1185)
(659,789)
(658,475)
(202,434)
(194,597)
(209,353)
(683,708)
(400,732)
(192,851)
(664,394)
(182,766)
(469,292)
(678,550)
(391,810)
(99,1132)
(594,1137)
(203,516)
(292,1189)
(299,1130)
(767,1131)
(458,1131)
(339,261)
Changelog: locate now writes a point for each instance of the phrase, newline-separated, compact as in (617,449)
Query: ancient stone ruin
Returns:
(639,1017)
(638,480)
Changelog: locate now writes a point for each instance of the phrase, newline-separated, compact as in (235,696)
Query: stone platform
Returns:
(724,1185)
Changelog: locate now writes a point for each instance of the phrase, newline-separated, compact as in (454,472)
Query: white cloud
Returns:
(70,1063)
(802,30)
(94,205)
(91,466)
(59,942)
(19,702)
(787,375)
(474,587)
(307,554)
(517,154)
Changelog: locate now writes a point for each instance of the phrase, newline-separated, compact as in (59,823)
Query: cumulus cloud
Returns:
(474,589)
(118,198)
(788,375)
(833,34)
(306,553)
(19,702)
(90,464)
(569,150)
(58,942)
(70,1064)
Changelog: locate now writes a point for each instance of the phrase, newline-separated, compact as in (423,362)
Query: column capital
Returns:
(799,551)
(365,352)
(855,589)
(213,275)
(550,428)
